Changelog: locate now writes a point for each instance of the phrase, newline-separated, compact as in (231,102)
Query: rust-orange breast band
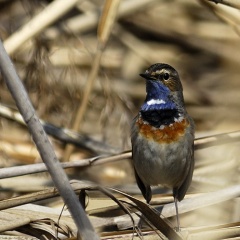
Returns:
(167,134)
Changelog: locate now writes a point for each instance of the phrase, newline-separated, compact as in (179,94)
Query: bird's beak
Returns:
(144,75)
(147,76)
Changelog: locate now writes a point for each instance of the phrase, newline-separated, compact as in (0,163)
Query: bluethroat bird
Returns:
(163,136)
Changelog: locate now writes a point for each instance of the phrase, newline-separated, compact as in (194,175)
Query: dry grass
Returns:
(55,48)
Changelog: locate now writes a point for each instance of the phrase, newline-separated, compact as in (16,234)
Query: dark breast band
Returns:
(157,118)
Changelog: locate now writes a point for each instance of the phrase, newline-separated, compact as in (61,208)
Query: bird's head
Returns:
(163,86)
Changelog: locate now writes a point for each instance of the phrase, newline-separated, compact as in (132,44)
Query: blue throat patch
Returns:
(158,97)
(158,109)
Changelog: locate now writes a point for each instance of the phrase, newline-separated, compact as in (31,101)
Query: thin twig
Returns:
(199,143)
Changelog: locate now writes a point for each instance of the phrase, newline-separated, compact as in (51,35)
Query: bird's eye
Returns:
(166,76)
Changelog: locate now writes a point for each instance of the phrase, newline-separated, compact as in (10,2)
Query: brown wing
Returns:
(181,191)
(145,189)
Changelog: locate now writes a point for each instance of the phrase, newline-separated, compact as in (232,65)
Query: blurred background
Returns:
(200,39)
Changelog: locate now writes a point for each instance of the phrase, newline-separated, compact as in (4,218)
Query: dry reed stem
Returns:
(229,15)
(44,146)
(188,204)
(230,3)
(107,20)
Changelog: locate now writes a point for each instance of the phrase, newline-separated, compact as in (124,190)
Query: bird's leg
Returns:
(176,206)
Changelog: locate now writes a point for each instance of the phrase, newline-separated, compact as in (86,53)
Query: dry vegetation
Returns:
(86,89)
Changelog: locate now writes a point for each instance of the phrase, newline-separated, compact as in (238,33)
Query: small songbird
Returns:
(163,136)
